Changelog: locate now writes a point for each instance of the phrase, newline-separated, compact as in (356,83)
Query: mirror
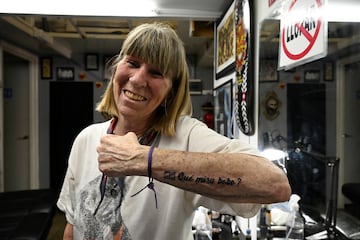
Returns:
(299,112)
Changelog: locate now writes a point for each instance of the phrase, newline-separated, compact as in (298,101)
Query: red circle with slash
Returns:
(308,36)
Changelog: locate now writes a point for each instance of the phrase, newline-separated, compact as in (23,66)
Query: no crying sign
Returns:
(303,33)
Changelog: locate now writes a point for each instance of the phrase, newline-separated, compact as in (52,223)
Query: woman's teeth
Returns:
(134,96)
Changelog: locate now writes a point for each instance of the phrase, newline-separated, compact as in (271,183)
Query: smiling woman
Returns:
(153,143)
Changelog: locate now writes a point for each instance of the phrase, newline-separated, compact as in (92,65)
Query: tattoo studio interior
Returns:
(281,75)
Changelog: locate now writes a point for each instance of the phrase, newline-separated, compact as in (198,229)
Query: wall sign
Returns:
(65,73)
(303,33)
(312,76)
(271,2)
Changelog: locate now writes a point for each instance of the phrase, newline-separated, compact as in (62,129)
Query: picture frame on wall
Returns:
(91,61)
(223,108)
(196,86)
(268,71)
(46,68)
(328,71)
(225,45)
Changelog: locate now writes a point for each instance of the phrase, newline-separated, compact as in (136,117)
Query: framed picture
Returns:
(223,109)
(46,68)
(268,71)
(328,71)
(225,43)
(65,73)
(271,105)
(195,86)
(91,61)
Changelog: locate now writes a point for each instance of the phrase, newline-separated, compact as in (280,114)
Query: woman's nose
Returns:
(139,77)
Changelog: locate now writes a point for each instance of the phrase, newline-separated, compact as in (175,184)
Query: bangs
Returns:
(156,47)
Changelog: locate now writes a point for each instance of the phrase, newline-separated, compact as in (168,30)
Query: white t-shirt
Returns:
(138,215)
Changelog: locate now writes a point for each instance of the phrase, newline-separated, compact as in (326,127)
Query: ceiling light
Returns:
(133,8)
(342,12)
(187,13)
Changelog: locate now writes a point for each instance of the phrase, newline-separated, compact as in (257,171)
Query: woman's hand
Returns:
(122,155)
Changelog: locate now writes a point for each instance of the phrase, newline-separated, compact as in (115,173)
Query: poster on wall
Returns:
(223,108)
(225,43)
(244,97)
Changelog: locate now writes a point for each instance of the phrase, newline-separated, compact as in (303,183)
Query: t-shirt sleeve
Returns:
(66,199)
(203,139)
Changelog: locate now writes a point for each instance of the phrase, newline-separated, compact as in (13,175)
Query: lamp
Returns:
(276,156)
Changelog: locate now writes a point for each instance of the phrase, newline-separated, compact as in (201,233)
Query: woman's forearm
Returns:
(68,232)
(232,177)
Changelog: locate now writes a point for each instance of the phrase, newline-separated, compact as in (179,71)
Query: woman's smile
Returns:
(133,96)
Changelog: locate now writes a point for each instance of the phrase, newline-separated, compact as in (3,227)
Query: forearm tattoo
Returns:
(182,177)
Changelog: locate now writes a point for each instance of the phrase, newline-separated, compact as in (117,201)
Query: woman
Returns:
(142,174)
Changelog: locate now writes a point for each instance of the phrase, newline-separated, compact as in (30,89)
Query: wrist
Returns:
(150,185)
(138,164)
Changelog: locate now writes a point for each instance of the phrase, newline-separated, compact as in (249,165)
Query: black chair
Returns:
(352,192)
(27,215)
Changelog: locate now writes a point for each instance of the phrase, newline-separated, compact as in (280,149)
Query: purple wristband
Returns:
(150,185)
(150,162)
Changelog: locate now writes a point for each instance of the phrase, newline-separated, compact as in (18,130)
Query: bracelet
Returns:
(150,185)
(150,163)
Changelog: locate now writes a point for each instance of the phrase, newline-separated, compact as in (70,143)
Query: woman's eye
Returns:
(156,73)
(133,63)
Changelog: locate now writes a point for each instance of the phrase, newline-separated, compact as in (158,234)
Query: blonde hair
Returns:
(158,45)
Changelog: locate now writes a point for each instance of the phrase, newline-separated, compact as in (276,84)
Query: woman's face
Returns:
(139,88)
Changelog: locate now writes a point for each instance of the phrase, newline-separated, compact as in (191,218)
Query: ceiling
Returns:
(75,35)
(70,35)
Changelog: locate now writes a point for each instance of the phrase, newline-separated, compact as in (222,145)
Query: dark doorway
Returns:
(16,123)
(306,136)
(71,110)
(306,116)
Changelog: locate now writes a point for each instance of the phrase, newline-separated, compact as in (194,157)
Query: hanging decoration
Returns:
(244,102)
